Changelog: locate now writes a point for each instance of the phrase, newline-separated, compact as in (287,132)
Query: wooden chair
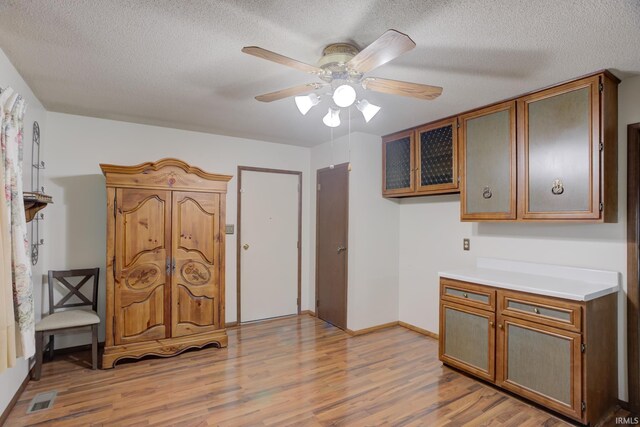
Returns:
(58,321)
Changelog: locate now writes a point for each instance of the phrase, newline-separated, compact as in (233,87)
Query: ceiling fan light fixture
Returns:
(332,119)
(306,102)
(367,109)
(344,96)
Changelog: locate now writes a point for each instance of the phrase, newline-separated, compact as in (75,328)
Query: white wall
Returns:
(373,231)
(431,240)
(11,379)
(77,145)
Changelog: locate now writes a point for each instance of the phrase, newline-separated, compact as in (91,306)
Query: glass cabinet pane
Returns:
(467,337)
(488,145)
(540,362)
(558,153)
(436,156)
(398,164)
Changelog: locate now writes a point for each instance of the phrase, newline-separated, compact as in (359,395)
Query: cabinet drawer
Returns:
(549,311)
(468,294)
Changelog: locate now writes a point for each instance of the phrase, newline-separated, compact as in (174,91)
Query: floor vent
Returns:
(42,401)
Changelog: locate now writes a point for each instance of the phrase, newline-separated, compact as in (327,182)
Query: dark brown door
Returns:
(332,204)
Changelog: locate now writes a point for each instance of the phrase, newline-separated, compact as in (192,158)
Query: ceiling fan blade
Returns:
(281,59)
(291,91)
(385,48)
(396,87)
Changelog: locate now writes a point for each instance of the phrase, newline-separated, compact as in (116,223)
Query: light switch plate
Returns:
(229,229)
(466,244)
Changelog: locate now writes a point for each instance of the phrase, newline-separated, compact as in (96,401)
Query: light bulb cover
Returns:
(367,109)
(332,119)
(306,102)
(344,96)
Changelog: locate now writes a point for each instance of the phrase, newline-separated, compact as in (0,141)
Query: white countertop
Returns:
(579,284)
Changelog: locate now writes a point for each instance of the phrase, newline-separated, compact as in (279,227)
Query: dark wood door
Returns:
(196,253)
(142,243)
(332,220)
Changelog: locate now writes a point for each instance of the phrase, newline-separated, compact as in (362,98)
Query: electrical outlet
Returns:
(466,244)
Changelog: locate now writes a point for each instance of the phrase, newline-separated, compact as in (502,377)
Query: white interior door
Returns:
(269,246)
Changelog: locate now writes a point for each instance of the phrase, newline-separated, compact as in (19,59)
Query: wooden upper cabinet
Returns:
(437,157)
(398,164)
(559,138)
(421,161)
(488,163)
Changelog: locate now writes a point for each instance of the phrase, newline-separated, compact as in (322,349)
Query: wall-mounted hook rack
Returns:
(36,199)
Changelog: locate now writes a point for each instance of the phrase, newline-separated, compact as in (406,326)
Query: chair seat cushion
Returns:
(68,319)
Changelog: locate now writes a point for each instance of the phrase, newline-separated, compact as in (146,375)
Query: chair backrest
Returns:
(74,289)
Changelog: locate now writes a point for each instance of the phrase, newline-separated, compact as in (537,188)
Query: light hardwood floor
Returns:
(291,371)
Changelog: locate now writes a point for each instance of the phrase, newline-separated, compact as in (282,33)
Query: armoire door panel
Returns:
(144,319)
(140,212)
(196,237)
(195,309)
(142,245)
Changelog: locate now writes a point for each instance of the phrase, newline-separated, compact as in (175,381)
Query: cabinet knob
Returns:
(536,311)
(491,324)
(465,295)
(500,326)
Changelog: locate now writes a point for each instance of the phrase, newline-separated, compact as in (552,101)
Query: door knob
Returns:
(245,246)
(341,249)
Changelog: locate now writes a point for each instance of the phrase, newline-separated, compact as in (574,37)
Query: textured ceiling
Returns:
(178,63)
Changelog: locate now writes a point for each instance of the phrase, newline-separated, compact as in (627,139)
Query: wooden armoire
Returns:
(165,259)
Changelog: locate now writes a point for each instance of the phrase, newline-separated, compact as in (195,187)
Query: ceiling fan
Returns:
(346,62)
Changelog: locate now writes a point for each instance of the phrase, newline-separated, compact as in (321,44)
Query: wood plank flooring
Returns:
(296,371)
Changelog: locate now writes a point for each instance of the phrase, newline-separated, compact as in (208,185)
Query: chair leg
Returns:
(94,346)
(51,346)
(37,369)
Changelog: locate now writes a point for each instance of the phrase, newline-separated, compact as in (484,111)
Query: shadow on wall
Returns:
(84,201)
(614,232)
(81,213)
(532,230)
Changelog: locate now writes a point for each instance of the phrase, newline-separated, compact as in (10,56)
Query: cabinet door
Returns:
(142,244)
(398,164)
(437,152)
(488,163)
(559,152)
(467,339)
(195,291)
(541,363)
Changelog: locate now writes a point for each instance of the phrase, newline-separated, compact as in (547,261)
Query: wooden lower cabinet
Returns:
(558,353)
(467,339)
(541,363)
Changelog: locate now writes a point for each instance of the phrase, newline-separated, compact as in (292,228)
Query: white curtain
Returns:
(17,319)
